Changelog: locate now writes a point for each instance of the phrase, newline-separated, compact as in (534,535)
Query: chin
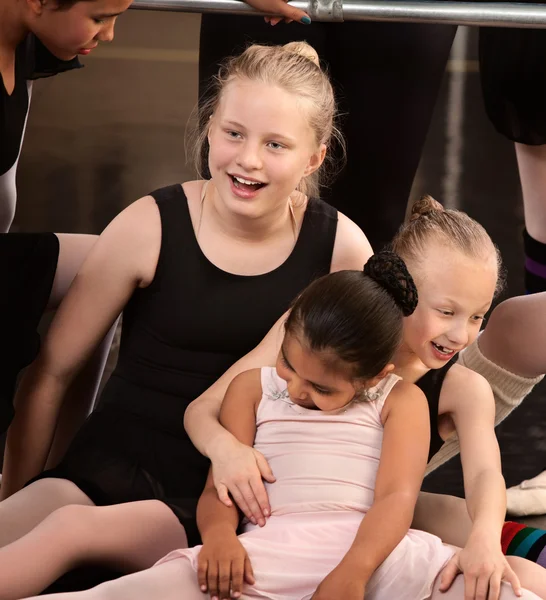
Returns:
(64,55)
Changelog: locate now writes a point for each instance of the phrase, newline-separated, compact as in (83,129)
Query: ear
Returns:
(37,6)
(315,160)
(384,372)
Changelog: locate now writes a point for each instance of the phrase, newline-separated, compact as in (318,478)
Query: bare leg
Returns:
(531,576)
(456,592)
(515,336)
(81,395)
(532,171)
(21,512)
(443,516)
(173,580)
(130,537)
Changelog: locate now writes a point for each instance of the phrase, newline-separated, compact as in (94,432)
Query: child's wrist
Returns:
(358,565)
(216,531)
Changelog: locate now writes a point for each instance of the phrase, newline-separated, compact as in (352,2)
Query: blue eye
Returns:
(275,146)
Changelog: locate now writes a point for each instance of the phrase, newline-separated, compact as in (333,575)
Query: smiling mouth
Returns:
(246,184)
(443,349)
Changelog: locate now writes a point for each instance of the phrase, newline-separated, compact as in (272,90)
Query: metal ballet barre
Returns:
(494,14)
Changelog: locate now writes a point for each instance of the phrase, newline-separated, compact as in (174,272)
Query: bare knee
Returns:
(162,531)
(25,509)
(159,513)
(444,516)
(54,493)
(531,576)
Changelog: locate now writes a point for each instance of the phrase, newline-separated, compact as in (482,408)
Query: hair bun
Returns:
(388,270)
(303,49)
(426,205)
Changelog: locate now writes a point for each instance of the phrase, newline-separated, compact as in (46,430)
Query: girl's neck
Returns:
(13,29)
(408,365)
(250,229)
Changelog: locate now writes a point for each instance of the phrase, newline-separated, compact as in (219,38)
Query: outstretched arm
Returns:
(468,399)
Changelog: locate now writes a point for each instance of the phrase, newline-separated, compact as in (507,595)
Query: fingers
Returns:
(237,578)
(202,574)
(218,580)
(240,500)
(249,572)
(482,586)
(225,579)
(513,580)
(283,12)
(292,13)
(212,579)
(223,494)
(265,469)
(494,587)
(450,571)
(470,582)
(257,515)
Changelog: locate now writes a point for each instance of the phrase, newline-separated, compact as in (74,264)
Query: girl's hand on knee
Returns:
(240,470)
(483,566)
(223,567)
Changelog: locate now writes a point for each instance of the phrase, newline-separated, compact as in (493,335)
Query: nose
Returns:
(249,157)
(106,34)
(295,389)
(459,334)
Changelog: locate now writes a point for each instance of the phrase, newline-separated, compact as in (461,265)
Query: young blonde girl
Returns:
(201,271)
(456,269)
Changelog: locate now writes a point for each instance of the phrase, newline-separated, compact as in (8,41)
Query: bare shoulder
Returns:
(405,398)
(465,390)
(239,408)
(249,382)
(135,236)
(351,248)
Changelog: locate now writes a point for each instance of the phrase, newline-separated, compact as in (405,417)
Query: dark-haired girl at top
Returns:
(40,38)
(348,442)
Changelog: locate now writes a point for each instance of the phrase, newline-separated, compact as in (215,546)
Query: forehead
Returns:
(102,7)
(264,107)
(319,367)
(445,271)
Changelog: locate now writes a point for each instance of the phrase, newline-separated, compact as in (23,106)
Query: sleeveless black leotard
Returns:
(431,385)
(179,335)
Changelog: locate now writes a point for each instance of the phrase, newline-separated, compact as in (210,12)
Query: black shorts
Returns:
(28,262)
(513,78)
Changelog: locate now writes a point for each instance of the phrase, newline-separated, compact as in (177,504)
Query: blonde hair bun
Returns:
(426,205)
(303,49)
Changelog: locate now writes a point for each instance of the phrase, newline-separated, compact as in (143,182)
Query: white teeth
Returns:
(442,349)
(245,181)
